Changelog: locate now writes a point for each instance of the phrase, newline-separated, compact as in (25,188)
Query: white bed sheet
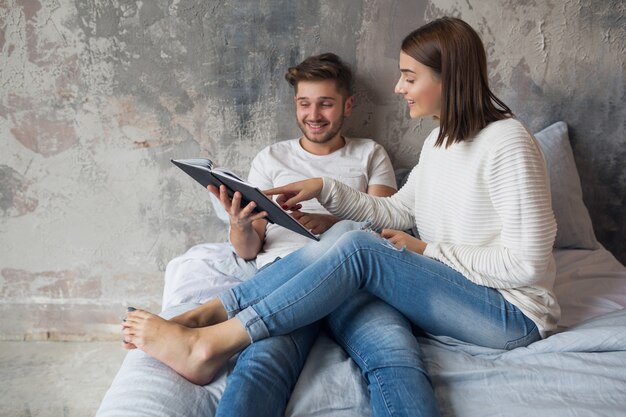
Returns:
(589,283)
(470,381)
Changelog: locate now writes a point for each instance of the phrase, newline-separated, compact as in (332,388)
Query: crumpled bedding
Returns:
(579,371)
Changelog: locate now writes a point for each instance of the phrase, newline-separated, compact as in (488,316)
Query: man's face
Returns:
(321,109)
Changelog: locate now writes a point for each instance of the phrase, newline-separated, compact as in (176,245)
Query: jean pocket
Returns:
(525,340)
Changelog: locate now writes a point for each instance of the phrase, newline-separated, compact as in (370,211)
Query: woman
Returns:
(481,271)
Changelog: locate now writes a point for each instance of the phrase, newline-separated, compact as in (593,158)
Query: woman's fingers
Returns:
(292,203)
(389,233)
(292,194)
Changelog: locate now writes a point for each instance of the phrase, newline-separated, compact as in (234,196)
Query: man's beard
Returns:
(327,137)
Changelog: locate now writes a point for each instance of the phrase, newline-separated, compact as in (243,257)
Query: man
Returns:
(323,101)
(266,371)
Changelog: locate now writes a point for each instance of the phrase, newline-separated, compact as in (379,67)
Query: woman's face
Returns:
(420,87)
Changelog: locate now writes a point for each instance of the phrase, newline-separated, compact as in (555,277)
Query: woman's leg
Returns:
(273,276)
(184,342)
(436,298)
(379,339)
(266,280)
(433,296)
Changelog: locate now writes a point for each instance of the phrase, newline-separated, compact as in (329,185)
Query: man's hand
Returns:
(241,218)
(316,223)
(400,239)
(291,194)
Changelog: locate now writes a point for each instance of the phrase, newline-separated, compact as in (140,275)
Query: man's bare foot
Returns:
(196,354)
(209,313)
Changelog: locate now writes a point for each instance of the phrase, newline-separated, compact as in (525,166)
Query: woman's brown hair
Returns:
(454,51)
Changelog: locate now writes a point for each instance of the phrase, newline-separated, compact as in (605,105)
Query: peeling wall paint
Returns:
(97,96)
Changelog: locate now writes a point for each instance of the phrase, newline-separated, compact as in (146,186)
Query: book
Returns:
(203,171)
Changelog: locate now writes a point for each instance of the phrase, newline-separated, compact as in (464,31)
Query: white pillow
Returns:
(574,228)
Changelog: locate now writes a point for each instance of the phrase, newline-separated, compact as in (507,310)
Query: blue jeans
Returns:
(267,370)
(265,374)
(434,297)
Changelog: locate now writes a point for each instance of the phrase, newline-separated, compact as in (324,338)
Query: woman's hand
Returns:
(400,240)
(316,223)
(291,194)
(239,217)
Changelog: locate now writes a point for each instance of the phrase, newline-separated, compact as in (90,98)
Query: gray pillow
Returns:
(574,228)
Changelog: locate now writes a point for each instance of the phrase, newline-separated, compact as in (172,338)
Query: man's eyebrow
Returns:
(317,98)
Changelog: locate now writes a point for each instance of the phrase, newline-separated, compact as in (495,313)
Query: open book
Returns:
(202,170)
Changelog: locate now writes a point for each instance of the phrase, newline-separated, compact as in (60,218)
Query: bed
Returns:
(580,370)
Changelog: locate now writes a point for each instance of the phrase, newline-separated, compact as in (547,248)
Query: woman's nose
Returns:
(399,89)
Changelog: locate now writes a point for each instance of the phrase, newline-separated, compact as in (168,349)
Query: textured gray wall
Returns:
(97,96)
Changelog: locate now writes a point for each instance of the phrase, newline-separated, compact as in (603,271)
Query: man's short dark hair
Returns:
(321,67)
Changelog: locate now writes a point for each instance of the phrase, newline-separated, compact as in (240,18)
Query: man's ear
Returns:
(347,107)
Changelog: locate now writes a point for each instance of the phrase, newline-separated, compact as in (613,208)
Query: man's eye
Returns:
(327,104)
(304,104)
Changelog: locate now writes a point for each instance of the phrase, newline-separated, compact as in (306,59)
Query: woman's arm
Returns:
(318,223)
(394,212)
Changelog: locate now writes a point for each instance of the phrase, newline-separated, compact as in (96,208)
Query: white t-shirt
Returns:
(359,164)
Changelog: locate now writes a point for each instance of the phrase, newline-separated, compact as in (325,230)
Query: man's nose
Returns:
(315,112)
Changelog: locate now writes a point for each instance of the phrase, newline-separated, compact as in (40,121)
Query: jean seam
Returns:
(350,348)
(515,342)
(251,303)
(347,258)
(376,250)
(515,310)
(388,405)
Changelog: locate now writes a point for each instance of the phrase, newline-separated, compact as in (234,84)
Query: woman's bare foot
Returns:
(196,354)
(209,313)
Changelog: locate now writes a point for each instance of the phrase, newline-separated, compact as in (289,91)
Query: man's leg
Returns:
(265,375)
(379,339)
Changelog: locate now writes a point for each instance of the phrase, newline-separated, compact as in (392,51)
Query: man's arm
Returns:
(380,190)
(247,229)
(247,240)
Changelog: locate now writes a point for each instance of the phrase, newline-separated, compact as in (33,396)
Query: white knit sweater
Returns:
(483,207)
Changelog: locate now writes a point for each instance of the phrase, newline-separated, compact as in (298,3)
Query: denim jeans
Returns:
(265,374)
(374,334)
(434,297)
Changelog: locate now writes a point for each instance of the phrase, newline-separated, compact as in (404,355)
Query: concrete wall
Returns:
(97,96)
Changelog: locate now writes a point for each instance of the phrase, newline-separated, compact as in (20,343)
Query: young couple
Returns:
(481,270)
